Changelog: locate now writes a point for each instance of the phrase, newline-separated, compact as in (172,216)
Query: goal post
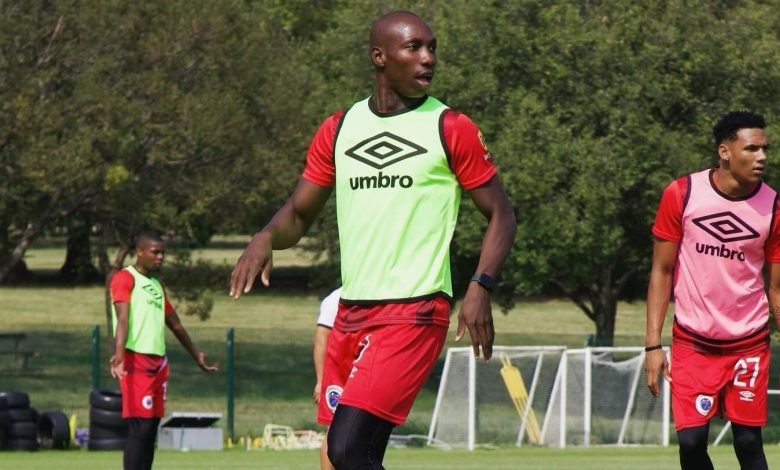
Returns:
(548,395)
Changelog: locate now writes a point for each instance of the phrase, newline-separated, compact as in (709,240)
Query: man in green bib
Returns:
(399,161)
(141,312)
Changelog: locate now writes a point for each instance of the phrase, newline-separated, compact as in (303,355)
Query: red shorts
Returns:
(379,369)
(144,386)
(725,380)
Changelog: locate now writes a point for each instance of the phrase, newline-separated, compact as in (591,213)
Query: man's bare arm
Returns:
(475,314)
(285,229)
(658,293)
(122,310)
(174,324)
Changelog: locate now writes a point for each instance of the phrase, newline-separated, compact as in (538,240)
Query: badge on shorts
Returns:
(704,404)
(332,396)
(746,395)
(147,402)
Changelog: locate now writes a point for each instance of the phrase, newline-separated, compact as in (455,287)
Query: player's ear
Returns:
(377,56)
(723,152)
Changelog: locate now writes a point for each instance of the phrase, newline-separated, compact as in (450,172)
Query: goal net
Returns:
(548,395)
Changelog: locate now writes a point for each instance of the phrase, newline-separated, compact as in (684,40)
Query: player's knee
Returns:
(747,439)
(336,451)
(143,428)
(693,440)
(357,439)
(344,454)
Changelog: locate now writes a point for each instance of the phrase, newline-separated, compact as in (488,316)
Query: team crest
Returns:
(147,402)
(482,140)
(332,396)
(484,145)
(704,404)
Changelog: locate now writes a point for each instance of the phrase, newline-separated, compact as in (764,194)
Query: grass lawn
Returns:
(273,372)
(656,458)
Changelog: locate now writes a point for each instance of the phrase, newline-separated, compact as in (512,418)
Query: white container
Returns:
(190,431)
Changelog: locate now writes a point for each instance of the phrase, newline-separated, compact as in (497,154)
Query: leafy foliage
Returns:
(194,118)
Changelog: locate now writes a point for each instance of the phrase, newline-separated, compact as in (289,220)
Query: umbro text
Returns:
(380,181)
(720,251)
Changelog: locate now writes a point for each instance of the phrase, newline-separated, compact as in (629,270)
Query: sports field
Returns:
(609,458)
(274,376)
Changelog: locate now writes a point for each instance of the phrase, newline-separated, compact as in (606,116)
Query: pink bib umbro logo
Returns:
(726,227)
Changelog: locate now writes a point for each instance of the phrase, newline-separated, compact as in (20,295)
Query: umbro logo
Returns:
(384,149)
(726,227)
(155,293)
(746,395)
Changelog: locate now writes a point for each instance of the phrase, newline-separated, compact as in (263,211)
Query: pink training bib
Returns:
(718,284)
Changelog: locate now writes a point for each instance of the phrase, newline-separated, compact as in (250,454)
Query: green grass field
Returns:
(656,458)
(274,373)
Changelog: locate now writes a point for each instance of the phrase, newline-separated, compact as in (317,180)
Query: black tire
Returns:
(106,444)
(106,399)
(16,399)
(23,430)
(98,431)
(54,430)
(22,444)
(3,403)
(19,415)
(106,418)
(5,423)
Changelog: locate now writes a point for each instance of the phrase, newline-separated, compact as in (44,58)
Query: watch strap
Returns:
(484,280)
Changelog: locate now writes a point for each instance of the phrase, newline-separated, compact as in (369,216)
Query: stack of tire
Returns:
(107,428)
(19,422)
(5,422)
(53,430)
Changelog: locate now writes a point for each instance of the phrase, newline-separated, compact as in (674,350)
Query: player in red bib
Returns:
(715,232)
(398,161)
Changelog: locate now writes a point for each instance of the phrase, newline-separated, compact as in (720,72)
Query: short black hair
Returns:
(146,235)
(728,126)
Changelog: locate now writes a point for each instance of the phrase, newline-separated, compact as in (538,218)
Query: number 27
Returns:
(741,368)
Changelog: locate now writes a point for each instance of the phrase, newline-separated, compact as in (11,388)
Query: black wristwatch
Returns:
(484,280)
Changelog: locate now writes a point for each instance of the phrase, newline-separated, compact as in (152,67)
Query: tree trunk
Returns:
(10,265)
(605,323)
(78,265)
(601,308)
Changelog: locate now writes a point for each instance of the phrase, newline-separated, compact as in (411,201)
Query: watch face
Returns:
(484,280)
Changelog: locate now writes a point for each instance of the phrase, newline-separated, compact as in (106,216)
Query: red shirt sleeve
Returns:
(320,166)
(668,219)
(469,156)
(121,286)
(168,306)
(773,243)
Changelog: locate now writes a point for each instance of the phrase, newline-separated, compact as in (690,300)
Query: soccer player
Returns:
(328,310)
(399,161)
(715,231)
(140,313)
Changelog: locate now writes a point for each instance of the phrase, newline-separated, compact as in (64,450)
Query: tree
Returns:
(608,102)
(140,116)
